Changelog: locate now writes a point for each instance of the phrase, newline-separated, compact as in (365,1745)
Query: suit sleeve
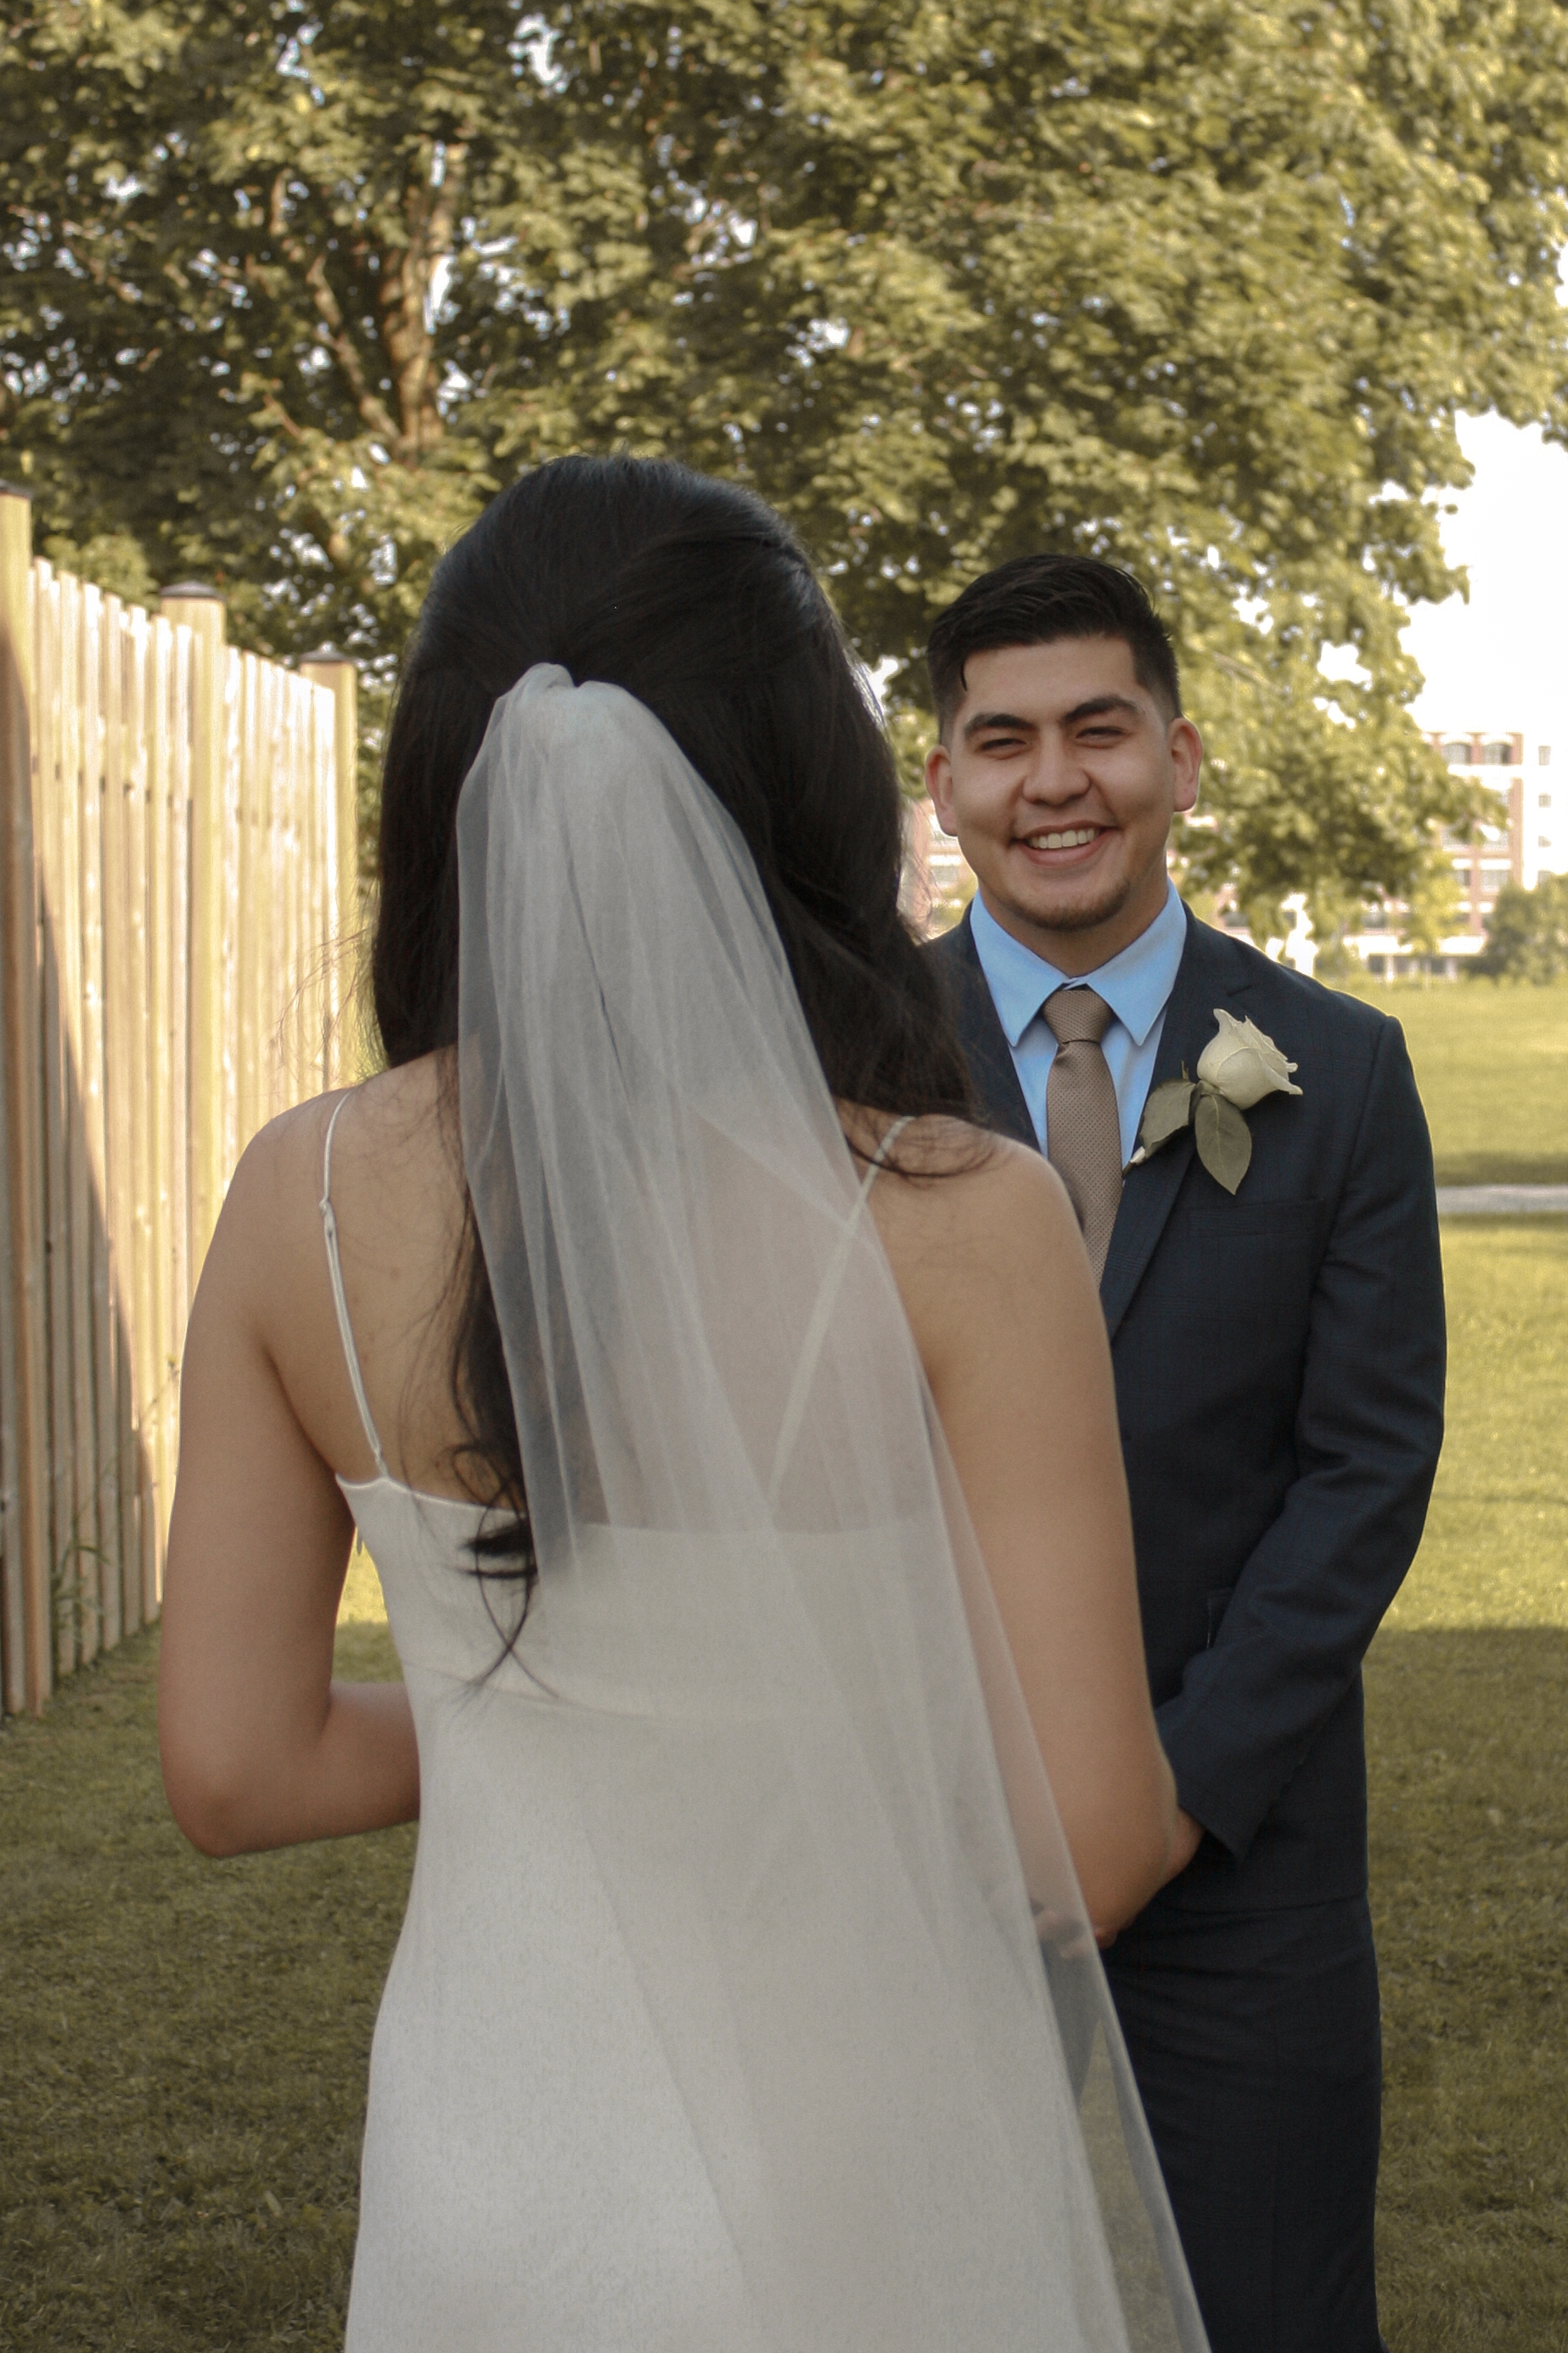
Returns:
(1368,1432)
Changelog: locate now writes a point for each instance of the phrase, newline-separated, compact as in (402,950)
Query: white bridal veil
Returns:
(758,1588)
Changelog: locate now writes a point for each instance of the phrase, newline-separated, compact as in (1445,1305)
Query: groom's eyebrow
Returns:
(984,721)
(1098,704)
(1008,721)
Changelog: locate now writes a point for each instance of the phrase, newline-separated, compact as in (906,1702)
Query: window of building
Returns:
(1456,754)
(1543,800)
(1543,755)
(1497,755)
(1543,842)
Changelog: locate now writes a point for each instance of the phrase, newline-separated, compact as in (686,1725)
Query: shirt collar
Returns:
(1136,983)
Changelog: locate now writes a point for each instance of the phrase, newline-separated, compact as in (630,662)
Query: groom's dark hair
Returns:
(1037,599)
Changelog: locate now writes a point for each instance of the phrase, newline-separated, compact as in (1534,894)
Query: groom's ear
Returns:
(1186,753)
(939,785)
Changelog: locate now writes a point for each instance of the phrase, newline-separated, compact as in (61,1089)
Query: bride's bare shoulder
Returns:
(959,1193)
(388,1142)
(982,1241)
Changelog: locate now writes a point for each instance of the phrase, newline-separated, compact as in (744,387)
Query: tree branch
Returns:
(338,336)
(430,214)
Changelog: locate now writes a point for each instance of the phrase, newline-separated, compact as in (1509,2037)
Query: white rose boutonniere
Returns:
(1236,1069)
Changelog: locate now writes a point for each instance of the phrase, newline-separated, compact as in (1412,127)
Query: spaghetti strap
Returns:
(878,1159)
(821,1315)
(335,1270)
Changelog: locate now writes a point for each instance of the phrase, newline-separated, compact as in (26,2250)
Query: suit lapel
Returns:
(1205,977)
(983,1038)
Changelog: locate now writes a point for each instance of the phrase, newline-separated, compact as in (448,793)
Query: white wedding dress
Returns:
(530,2177)
(717,2022)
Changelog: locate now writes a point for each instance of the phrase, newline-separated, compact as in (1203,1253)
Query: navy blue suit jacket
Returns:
(1279,1361)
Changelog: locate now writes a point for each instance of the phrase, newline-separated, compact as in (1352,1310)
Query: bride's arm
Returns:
(1004,1309)
(260,1747)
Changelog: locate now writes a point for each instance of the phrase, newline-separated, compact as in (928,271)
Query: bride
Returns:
(755,1549)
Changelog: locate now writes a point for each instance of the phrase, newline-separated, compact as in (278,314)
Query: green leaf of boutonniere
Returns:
(1165,1113)
(1238,1067)
(1223,1138)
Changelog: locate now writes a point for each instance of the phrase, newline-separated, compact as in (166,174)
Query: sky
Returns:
(1500,662)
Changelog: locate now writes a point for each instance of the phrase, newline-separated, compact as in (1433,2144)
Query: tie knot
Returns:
(1077,1013)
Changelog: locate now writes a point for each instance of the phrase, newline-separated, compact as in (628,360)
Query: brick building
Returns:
(1528,838)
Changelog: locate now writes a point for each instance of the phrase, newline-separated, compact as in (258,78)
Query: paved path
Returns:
(1501,1200)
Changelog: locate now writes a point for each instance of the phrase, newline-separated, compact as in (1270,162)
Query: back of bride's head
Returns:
(694,596)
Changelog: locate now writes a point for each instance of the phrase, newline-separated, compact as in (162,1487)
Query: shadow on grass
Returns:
(187,2041)
(182,2100)
(1503,1167)
(1468,1741)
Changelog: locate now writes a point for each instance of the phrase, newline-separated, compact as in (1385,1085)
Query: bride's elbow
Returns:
(207,1815)
(1117,1890)
(207,1820)
(212,1796)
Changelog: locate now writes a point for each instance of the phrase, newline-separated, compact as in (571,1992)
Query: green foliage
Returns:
(1527,934)
(291,291)
(1337,965)
(1431,913)
(1300,794)
(112,559)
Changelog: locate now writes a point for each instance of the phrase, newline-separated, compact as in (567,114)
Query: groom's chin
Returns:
(1084,910)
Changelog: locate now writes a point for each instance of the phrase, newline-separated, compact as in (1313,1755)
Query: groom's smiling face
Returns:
(1061,771)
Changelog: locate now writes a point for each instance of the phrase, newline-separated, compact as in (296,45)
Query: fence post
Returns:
(27,1631)
(203,612)
(340,676)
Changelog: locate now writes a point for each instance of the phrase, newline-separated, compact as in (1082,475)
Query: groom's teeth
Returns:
(1073,840)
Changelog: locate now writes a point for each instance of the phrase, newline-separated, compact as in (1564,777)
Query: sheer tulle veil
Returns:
(805,1772)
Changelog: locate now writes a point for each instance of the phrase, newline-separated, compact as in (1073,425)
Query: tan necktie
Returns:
(1083,1126)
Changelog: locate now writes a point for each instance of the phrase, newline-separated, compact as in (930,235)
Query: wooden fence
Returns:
(177,868)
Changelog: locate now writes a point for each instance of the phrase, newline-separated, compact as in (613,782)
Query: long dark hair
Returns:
(695,598)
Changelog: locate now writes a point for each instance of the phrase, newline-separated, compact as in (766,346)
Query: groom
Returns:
(1278,1347)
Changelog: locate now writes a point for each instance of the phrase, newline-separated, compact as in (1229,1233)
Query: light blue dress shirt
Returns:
(1135,984)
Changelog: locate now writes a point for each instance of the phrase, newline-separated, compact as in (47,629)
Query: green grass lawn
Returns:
(1468,1733)
(185,2042)
(1491,1058)
(185,2045)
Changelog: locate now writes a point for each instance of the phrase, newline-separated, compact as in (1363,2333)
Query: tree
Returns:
(1527,934)
(1431,913)
(1197,287)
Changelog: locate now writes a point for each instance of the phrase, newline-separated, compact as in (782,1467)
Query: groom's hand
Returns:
(1186,1841)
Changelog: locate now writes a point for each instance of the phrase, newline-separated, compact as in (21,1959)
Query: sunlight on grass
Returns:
(1491,1061)
(362,1603)
(1496,1548)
